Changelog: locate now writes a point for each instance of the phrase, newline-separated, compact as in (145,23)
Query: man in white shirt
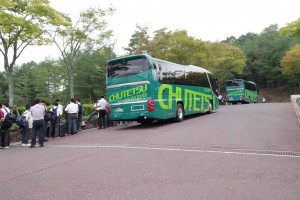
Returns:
(59,112)
(60,107)
(102,104)
(72,110)
(39,124)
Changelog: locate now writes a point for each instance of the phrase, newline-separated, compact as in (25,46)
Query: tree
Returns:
(270,50)
(24,83)
(226,61)
(3,88)
(291,30)
(177,47)
(89,29)
(90,73)
(23,23)
(290,64)
(139,41)
(248,43)
(264,52)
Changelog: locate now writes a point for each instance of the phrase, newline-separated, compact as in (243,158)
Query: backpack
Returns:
(9,119)
(11,116)
(47,116)
(53,115)
(21,121)
(79,108)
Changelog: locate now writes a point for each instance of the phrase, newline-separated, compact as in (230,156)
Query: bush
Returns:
(88,109)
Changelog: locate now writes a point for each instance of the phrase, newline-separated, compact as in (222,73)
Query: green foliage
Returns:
(139,40)
(226,61)
(45,80)
(291,30)
(23,23)
(3,88)
(177,46)
(90,73)
(90,29)
(48,79)
(24,84)
(263,52)
(88,109)
(291,64)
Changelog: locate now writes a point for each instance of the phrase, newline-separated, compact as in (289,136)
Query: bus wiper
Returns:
(114,75)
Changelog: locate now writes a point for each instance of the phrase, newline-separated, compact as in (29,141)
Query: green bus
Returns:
(143,89)
(239,90)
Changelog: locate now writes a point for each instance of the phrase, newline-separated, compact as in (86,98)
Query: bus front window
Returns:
(124,68)
(234,83)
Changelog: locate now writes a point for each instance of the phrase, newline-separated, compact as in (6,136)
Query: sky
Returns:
(209,20)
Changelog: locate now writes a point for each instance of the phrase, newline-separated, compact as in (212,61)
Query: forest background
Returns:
(270,58)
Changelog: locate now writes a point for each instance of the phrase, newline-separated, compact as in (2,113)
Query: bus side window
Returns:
(159,72)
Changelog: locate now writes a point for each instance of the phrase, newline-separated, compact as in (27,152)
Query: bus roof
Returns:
(193,67)
(198,68)
(239,79)
(130,56)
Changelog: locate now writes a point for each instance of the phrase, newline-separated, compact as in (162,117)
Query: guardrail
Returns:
(295,98)
(298,100)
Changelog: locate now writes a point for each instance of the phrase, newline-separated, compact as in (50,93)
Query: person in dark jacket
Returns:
(5,139)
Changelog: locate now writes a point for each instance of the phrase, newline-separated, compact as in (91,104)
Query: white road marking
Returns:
(286,154)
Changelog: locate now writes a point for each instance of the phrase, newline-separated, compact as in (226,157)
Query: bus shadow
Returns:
(158,123)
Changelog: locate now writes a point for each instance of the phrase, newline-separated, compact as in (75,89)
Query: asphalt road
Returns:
(238,152)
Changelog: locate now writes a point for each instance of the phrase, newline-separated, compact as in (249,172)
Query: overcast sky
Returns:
(209,20)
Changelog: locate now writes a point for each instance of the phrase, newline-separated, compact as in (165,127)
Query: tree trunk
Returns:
(72,77)
(10,89)
(90,95)
(71,86)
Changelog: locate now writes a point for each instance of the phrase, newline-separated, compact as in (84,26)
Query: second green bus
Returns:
(239,90)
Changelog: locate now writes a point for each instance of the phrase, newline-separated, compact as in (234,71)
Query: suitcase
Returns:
(62,130)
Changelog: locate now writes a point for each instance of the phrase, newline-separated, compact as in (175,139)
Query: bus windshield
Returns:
(127,67)
(235,83)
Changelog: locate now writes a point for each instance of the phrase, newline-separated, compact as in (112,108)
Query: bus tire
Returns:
(210,108)
(179,113)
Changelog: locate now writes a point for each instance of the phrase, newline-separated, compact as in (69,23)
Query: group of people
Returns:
(100,109)
(222,100)
(37,121)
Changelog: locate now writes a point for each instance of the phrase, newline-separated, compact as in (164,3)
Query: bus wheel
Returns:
(210,108)
(179,113)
